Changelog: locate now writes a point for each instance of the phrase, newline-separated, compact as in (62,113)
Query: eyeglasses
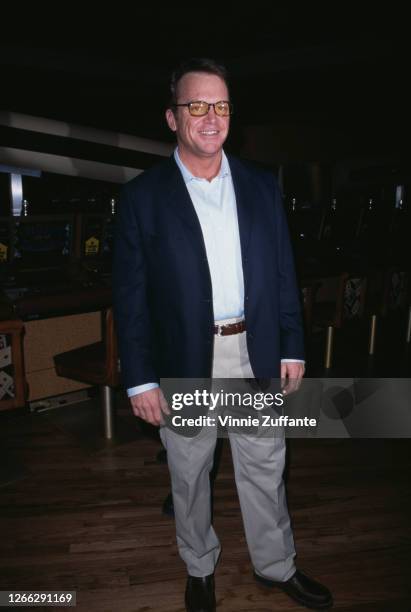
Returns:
(199,108)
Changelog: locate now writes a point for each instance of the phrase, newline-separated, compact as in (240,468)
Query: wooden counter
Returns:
(52,322)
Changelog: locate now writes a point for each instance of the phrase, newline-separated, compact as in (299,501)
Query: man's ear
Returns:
(171,120)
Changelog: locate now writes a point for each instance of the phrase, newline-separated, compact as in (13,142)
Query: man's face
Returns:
(199,137)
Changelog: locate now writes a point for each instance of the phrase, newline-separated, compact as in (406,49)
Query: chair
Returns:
(395,291)
(95,364)
(388,298)
(13,385)
(309,288)
(348,304)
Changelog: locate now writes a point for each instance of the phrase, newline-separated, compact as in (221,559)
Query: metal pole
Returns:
(408,337)
(107,404)
(373,329)
(329,346)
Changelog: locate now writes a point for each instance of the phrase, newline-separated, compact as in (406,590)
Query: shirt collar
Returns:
(188,176)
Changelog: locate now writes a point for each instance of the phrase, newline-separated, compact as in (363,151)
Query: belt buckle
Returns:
(220,330)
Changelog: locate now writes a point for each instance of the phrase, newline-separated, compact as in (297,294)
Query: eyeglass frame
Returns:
(209,104)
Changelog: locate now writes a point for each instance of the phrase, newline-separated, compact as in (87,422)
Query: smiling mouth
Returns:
(209,132)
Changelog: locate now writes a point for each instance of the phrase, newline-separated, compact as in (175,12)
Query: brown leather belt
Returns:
(229,329)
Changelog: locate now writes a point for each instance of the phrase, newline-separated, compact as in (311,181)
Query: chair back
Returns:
(355,289)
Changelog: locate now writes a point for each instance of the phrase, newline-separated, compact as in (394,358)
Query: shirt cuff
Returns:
(141,388)
(292,361)
(149,386)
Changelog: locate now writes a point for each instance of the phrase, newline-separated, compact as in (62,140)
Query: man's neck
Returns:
(207,167)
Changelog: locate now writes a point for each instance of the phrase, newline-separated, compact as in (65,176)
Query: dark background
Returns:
(309,82)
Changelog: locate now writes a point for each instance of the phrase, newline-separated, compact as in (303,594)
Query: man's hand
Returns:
(150,406)
(291,376)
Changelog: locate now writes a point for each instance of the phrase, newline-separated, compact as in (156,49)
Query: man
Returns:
(204,286)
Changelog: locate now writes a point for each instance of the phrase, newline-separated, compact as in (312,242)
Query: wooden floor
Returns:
(90,521)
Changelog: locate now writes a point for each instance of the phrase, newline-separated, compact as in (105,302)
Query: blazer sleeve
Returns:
(291,326)
(131,311)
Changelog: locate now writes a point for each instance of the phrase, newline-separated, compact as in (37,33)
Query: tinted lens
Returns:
(198,108)
(222,108)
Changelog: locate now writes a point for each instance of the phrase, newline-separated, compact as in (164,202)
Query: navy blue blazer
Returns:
(161,280)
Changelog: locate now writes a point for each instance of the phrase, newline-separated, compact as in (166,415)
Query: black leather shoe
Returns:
(200,595)
(168,506)
(303,590)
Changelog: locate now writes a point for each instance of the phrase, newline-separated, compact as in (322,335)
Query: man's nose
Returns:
(211,112)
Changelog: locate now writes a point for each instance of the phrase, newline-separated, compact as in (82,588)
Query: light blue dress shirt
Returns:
(215,204)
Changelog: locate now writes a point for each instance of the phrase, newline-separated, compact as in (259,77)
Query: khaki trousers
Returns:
(258,466)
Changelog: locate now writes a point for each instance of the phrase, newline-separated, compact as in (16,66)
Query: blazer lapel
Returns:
(242,182)
(179,198)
